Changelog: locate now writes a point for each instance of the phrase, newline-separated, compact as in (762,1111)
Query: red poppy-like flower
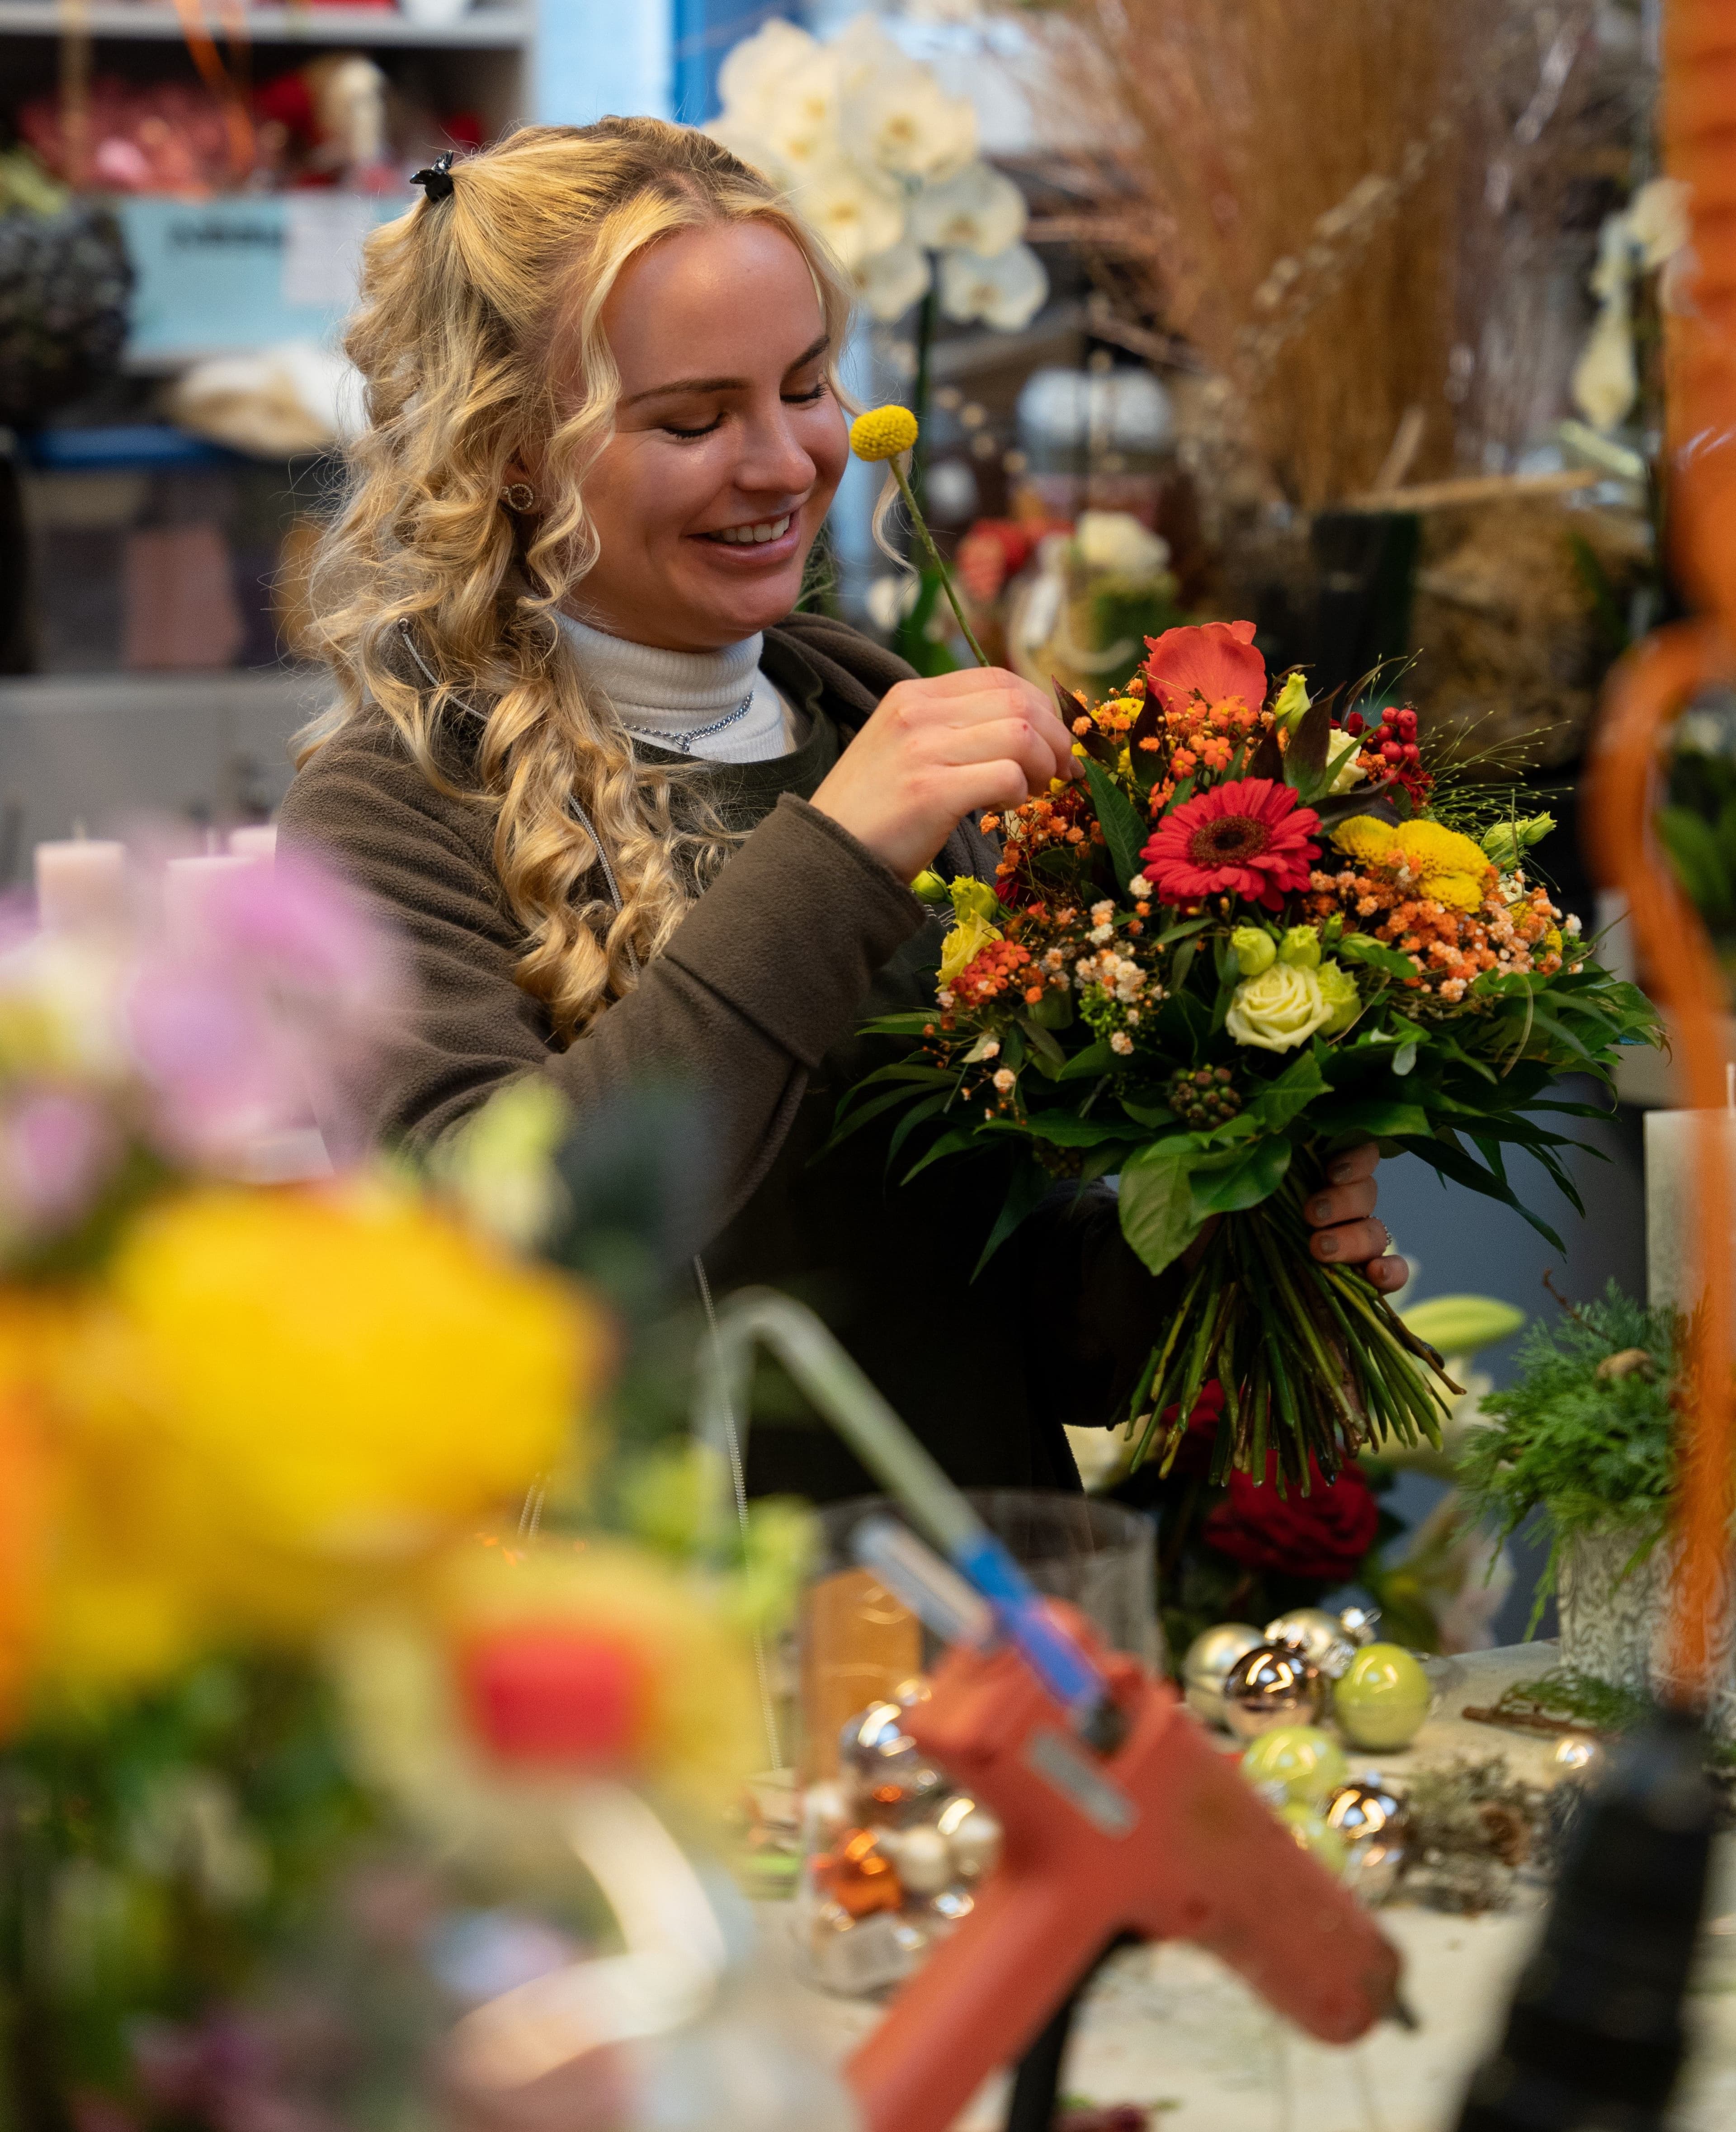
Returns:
(1216,661)
(1248,837)
(1324,1535)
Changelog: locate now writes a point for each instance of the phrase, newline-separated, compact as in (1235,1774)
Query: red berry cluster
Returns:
(1390,749)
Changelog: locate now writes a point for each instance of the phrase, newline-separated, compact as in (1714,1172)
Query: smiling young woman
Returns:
(639,819)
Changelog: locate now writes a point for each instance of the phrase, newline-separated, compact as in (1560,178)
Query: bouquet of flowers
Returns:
(1249,937)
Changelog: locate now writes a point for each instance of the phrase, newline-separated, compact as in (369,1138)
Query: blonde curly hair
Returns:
(423,602)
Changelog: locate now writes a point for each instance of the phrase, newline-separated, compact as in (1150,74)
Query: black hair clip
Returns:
(437,179)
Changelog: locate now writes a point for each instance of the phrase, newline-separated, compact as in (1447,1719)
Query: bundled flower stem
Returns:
(1358,1379)
(1239,944)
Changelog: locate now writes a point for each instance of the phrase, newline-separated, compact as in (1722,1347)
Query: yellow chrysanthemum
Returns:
(1448,868)
(352,1370)
(883,433)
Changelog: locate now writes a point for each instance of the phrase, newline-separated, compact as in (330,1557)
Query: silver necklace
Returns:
(683,743)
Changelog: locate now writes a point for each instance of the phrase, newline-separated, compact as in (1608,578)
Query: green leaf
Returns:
(1376,1120)
(1156,1201)
(1404,1058)
(950,1143)
(1063,1129)
(1148,1114)
(1096,1059)
(900,1025)
(1185,931)
(1305,759)
(1123,831)
(1053,1010)
(1030,1188)
(1047,1055)
(1279,1100)
(1245,1184)
(1359,948)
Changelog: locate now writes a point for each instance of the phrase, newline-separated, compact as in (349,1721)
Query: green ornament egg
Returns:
(1307,1762)
(1315,1834)
(1384,1697)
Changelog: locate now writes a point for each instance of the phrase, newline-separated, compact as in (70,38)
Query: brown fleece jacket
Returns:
(752,1007)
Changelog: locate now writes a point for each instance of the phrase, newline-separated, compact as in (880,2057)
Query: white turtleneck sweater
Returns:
(667,697)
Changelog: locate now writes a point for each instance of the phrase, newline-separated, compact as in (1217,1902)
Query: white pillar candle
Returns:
(1674,1155)
(257,840)
(193,888)
(80,884)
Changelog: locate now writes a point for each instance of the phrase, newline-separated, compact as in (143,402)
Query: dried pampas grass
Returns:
(1302,188)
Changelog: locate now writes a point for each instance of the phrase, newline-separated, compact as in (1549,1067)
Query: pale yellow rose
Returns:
(1338,989)
(1300,947)
(961,946)
(1254,949)
(1278,1010)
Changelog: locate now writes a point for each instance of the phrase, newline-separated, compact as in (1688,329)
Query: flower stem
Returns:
(927,538)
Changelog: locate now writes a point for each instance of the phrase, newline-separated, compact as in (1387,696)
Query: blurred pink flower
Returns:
(256,1020)
(56,1152)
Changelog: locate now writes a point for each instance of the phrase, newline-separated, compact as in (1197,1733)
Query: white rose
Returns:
(1343,767)
(1280,1009)
(1006,292)
(1115,540)
(893,280)
(980,210)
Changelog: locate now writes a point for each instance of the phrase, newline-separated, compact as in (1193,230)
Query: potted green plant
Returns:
(1584,1433)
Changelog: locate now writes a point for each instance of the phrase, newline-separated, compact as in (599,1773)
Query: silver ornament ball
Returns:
(1210,1657)
(1318,1636)
(1273,1684)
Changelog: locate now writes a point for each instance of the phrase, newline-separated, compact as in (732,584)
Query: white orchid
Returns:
(980,210)
(894,113)
(858,214)
(875,155)
(892,280)
(1006,291)
(751,81)
(754,150)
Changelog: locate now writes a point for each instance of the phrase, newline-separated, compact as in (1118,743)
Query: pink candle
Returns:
(192,887)
(81,884)
(257,840)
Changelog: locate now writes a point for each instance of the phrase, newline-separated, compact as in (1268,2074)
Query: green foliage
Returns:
(1593,1451)
(154,1852)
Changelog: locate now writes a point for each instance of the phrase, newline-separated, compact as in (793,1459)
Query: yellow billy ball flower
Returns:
(352,1371)
(883,433)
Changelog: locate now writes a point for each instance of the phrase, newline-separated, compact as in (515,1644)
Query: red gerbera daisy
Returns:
(1248,837)
(1216,661)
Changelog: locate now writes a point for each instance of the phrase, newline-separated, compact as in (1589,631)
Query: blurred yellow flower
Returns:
(353,1370)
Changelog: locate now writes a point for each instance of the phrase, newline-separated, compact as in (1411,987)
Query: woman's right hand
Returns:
(937,750)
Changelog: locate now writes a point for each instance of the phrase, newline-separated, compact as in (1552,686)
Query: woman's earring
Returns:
(519,495)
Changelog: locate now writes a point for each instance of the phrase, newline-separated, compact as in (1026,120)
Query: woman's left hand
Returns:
(1346,1230)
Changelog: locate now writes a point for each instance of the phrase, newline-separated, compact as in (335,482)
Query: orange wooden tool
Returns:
(1163,1838)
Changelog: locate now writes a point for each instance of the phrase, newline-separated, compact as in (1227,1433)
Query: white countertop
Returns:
(1168,2027)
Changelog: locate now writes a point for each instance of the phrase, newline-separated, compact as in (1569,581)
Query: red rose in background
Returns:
(1216,661)
(1323,1534)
